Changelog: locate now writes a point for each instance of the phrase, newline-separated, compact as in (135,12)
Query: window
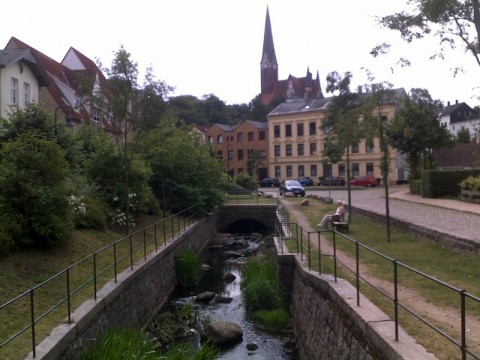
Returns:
(276,131)
(210,139)
(355,169)
(250,136)
(369,147)
(278,173)
(14,93)
(301,170)
(263,154)
(240,154)
(312,128)
(277,150)
(313,148)
(369,169)
(289,171)
(341,169)
(220,154)
(230,155)
(299,129)
(26,93)
(219,139)
(288,149)
(97,113)
(288,130)
(300,149)
(313,170)
(240,137)
(355,149)
(261,135)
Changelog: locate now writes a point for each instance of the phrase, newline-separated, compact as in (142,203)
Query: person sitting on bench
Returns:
(338,216)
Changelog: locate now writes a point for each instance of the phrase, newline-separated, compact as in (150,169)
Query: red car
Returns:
(368,181)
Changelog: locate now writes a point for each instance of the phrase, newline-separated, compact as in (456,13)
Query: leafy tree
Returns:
(342,122)
(415,131)
(453,22)
(254,159)
(259,111)
(463,135)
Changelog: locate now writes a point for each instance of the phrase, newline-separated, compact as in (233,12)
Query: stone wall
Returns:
(131,302)
(328,324)
(229,214)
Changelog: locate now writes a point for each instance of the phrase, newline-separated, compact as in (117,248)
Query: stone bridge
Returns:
(246,218)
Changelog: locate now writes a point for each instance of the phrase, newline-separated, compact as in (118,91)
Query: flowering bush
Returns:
(471,183)
(88,213)
(119,217)
(77,204)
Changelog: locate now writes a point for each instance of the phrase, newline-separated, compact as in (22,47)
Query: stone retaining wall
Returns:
(131,302)
(328,324)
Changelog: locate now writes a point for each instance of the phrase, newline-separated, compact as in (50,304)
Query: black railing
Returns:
(81,281)
(299,241)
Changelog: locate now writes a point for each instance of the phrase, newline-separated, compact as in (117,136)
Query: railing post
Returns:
(395,296)
(463,324)
(95,275)
(309,253)
(357,271)
(144,244)
(164,232)
(301,240)
(319,253)
(32,319)
(131,252)
(155,236)
(68,296)
(115,260)
(334,256)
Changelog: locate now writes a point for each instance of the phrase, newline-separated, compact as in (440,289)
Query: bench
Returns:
(239,192)
(340,225)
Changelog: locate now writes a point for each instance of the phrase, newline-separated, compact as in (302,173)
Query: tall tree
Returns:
(341,123)
(454,22)
(463,135)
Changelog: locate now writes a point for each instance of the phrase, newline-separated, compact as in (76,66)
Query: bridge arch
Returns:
(249,218)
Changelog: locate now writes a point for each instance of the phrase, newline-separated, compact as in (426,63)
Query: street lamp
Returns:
(68,119)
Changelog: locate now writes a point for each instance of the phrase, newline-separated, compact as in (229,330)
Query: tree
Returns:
(453,22)
(254,159)
(341,123)
(415,131)
(463,135)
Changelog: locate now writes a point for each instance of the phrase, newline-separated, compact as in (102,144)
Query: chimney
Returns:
(359,89)
(456,102)
(448,103)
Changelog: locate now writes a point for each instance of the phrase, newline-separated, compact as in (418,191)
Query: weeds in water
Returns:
(169,325)
(274,320)
(121,344)
(187,268)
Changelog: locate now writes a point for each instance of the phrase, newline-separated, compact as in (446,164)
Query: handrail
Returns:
(288,231)
(101,266)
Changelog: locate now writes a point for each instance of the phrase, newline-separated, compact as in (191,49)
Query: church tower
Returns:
(268,64)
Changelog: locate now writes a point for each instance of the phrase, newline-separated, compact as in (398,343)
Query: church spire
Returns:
(268,64)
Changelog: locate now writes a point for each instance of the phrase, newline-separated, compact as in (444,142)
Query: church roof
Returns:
(268,47)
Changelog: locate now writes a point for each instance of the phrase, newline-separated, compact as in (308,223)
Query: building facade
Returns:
(297,140)
(234,143)
(457,116)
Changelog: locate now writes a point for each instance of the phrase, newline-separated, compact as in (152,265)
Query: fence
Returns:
(54,300)
(300,241)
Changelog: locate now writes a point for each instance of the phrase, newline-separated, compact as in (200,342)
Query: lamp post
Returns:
(68,120)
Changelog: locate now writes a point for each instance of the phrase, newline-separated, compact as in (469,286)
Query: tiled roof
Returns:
(11,56)
(258,124)
(300,105)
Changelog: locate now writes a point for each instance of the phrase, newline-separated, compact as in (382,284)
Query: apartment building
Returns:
(297,140)
(233,144)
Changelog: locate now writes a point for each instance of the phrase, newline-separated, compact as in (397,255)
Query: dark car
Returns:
(269,182)
(305,181)
(291,186)
(368,181)
(331,181)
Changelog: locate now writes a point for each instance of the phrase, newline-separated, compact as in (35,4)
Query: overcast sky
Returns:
(215,46)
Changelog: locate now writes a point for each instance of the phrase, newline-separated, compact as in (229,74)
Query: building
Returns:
(71,86)
(297,140)
(292,87)
(234,143)
(458,116)
(20,80)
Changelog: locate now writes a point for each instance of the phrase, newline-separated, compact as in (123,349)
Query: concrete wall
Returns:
(328,324)
(132,301)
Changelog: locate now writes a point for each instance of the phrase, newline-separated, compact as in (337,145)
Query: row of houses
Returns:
(68,87)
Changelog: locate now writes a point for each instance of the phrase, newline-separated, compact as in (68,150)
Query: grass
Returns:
(23,270)
(459,269)
(187,268)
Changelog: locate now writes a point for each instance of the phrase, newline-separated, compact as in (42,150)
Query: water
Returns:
(270,346)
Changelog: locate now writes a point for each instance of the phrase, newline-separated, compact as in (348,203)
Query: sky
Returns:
(203,47)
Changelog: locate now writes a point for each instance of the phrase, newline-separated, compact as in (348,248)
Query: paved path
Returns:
(447,216)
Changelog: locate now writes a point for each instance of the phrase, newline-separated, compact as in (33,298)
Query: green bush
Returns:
(274,320)
(187,268)
(441,183)
(88,213)
(246,181)
(470,183)
(415,187)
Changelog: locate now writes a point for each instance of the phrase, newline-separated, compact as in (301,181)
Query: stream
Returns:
(222,257)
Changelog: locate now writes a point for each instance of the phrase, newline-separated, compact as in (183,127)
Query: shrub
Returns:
(88,213)
(274,320)
(470,183)
(245,181)
(415,187)
(187,268)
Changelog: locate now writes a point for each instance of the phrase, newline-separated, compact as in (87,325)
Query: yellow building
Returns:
(297,141)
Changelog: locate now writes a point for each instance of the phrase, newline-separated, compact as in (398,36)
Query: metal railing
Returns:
(300,241)
(58,296)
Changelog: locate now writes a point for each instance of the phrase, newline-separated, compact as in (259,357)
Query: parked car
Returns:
(269,182)
(331,181)
(305,181)
(291,186)
(368,181)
